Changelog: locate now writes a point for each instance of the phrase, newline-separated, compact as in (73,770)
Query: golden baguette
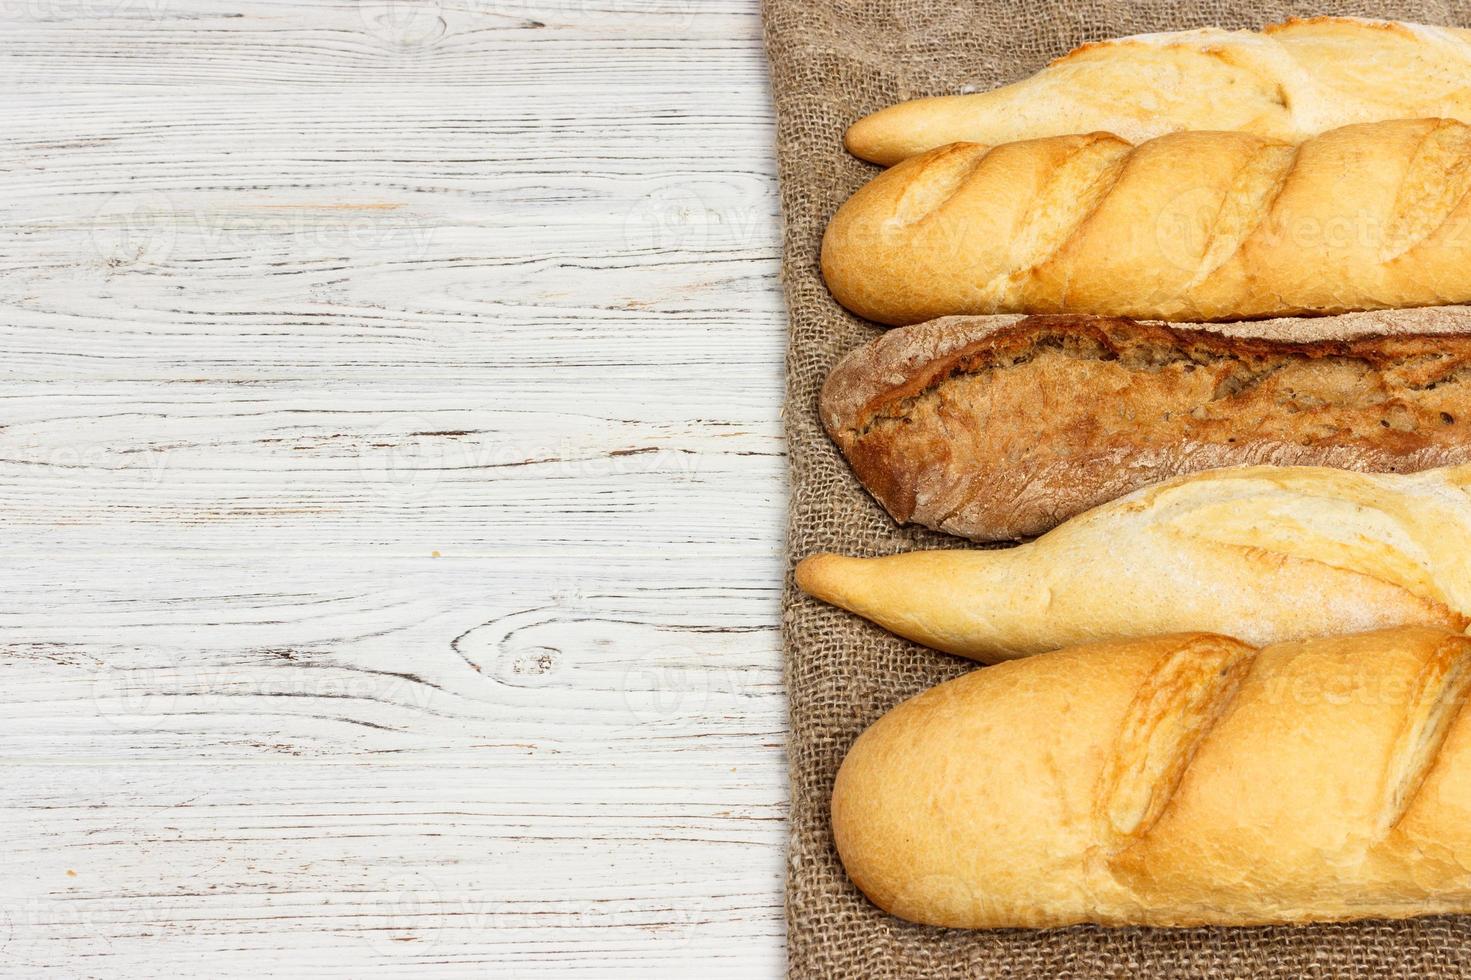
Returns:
(1174,781)
(1287,82)
(1191,226)
(1261,553)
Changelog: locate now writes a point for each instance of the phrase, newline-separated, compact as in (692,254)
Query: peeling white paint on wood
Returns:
(392,489)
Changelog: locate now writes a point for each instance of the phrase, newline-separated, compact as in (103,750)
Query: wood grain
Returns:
(392,485)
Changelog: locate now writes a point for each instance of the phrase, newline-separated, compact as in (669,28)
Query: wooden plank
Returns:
(457,762)
(392,479)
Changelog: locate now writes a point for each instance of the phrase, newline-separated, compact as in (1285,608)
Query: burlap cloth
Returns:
(832,61)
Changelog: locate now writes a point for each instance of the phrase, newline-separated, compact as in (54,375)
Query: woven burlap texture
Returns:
(833,61)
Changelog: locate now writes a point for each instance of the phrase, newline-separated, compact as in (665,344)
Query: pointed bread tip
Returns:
(810,574)
(872,138)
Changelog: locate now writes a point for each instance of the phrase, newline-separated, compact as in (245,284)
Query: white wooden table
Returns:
(391,486)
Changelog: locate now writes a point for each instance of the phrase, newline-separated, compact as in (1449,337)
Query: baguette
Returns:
(999,428)
(1190,226)
(1261,553)
(1287,82)
(1175,781)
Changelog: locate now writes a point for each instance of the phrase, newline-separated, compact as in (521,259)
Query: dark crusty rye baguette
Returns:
(1173,781)
(1002,427)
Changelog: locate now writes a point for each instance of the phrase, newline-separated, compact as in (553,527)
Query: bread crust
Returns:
(1261,553)
(1191,226)
(1173,781)
(997,428)
(1287,82)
